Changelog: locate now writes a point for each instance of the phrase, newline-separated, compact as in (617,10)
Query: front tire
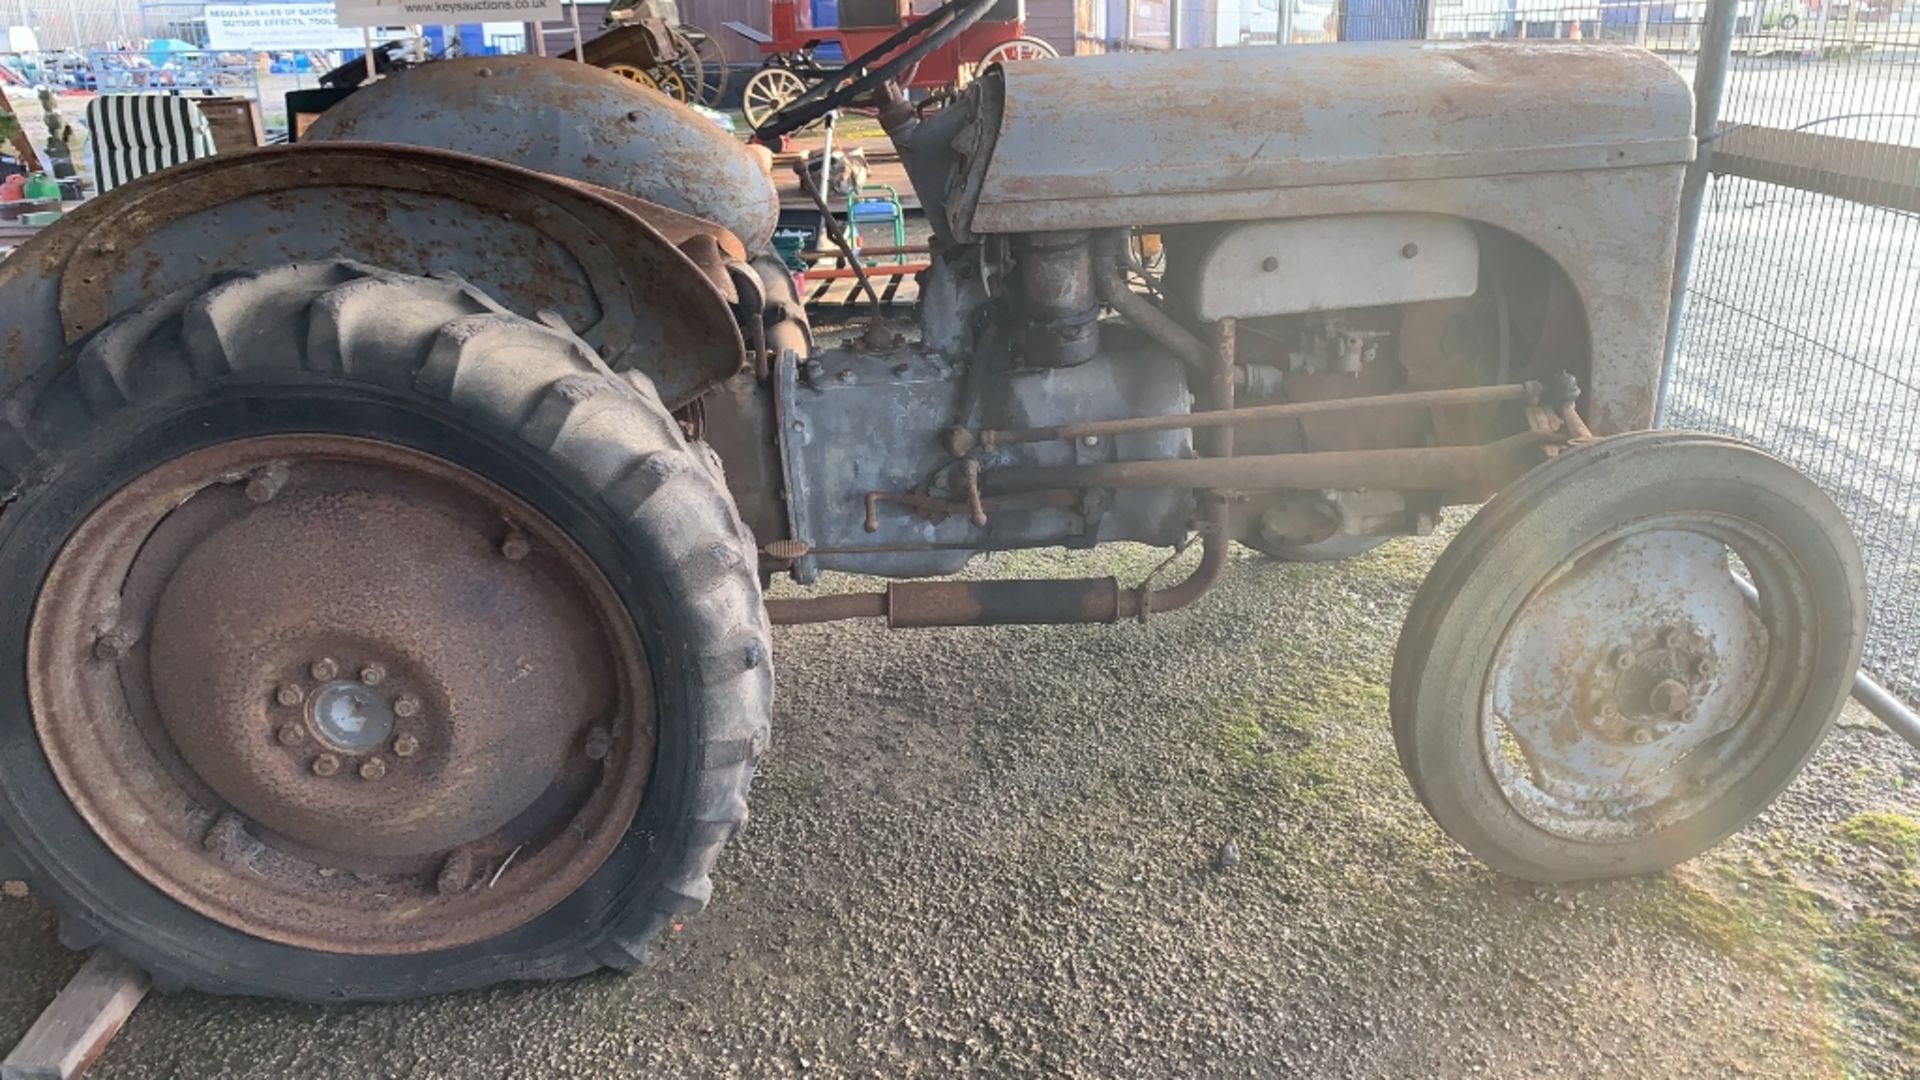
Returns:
(364,640)
(1582,690)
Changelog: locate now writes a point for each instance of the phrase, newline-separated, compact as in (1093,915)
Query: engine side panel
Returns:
(1322,264)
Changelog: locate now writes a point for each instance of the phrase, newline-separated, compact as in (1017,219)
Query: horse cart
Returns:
(646,43)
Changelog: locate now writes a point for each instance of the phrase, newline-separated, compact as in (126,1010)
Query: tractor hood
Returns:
(1212,134)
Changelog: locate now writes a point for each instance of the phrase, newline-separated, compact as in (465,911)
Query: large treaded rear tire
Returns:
(434,365)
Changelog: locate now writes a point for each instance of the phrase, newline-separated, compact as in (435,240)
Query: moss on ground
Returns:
(1889,833)
(1403,560)
(1849,942)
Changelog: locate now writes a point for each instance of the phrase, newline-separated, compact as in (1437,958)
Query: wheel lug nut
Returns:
(406,706)
(516,546)
(1706,668)
(405,746)
(1642,736)
(291,734)
(111,646)
(326,765)
(325,669)
(264,485)
(1623,658)
(373,674)
(1674,639)
(373,768)
(599,743)
(289,695)
(456,873)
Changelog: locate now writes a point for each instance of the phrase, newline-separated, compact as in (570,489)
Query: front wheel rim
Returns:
(341,694)
(1636,688)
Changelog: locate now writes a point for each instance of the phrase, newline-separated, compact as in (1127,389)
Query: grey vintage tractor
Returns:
(384,520)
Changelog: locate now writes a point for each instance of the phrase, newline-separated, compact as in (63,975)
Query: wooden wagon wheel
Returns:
(1020,48)
(701,63)
(769,91)
(662,78)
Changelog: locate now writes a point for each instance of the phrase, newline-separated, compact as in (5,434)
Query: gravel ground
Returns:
(1001,852)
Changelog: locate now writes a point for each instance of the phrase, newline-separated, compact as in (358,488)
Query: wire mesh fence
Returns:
(1156,24)
(74,24)
(1800,326)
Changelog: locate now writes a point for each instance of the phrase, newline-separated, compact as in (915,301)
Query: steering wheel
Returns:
(848,83)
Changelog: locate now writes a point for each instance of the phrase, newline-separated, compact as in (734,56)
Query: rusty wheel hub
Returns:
(341,694)
(1632,688)
(1650,687)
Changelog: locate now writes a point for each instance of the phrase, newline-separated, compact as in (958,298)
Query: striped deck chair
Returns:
(134,134)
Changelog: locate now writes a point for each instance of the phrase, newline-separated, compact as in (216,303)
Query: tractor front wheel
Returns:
(1626,655)
(365,640)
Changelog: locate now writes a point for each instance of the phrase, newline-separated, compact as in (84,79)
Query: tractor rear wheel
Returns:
(1584,688)
(364,640)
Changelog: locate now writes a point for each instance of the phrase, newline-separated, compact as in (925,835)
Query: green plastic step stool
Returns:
(874,204)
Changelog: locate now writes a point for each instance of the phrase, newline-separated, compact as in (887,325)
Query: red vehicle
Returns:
(964,37)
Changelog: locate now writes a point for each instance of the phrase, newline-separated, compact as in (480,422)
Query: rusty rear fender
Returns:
(644,285)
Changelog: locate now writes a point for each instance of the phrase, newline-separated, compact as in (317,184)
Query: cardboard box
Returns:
(235,121)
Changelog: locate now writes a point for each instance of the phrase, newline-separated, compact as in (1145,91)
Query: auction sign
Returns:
(426,12)
(276,28)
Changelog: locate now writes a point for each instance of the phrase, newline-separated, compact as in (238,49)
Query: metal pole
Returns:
(579,47)
(1175,12)
(1886,708)
(366,39)
(1284,32)
(1709,90)
(1872,697)
(1640,25)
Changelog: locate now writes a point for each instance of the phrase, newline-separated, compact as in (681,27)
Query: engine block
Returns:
(873,488)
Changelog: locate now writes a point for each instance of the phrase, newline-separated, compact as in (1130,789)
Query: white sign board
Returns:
(427,12)
(276,27)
